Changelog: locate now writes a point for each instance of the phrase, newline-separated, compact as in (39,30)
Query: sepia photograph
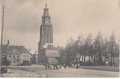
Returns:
(59,38)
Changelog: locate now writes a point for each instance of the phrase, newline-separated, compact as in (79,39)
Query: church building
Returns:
(47,53)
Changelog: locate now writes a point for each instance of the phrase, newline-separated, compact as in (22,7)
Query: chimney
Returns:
(7,46)
(7,42)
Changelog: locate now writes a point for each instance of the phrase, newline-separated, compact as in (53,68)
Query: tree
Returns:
(99,49)
(113,48)
(63,56)
(73,48)
(98,43)
(88,46)
(105,52)
(70,51)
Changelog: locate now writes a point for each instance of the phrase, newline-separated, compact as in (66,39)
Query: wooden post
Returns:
(2,29)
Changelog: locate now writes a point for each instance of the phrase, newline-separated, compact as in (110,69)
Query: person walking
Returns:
(65,66)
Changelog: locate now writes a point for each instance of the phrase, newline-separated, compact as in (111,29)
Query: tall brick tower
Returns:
(46,29)
(46,35)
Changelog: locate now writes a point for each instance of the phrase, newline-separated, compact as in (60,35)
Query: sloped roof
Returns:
(14,49)
(3,49)
(49,46)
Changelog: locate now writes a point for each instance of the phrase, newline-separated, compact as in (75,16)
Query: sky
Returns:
(70,18)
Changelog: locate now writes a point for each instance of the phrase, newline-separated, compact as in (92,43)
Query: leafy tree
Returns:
(96,49)
(87,47)
(113,48)
(98,43)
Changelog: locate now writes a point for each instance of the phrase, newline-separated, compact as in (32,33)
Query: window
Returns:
(27,56)
(13,56)
(13,61)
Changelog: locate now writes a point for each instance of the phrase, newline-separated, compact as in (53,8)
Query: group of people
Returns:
(54,66)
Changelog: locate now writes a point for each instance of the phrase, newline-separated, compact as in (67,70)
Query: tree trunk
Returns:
(94,59)
(111,60)
(84,58)
(89,58)
(99,58)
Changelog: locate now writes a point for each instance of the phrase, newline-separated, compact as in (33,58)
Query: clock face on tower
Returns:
(46,20)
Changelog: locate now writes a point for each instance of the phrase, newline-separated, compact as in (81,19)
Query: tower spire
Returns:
(46,13)
(45,5)
(46,29)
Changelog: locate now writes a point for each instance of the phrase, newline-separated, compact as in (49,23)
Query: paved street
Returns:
(22,73)
(80,73)
(69,72)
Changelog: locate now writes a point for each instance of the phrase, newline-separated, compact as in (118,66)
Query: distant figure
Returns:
(59,66)
(107,63)
(46,66)
(64,66)
(72,65)
(53,66)
(9,71)
(49,66)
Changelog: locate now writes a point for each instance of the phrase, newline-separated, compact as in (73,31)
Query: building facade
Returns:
(46,39)
(16,55)
(35,58)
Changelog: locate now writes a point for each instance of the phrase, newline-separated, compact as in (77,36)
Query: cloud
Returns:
(23,17)
(70,18)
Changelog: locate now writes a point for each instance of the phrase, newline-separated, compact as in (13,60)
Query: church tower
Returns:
(47,53)
(46,36)
(46,29)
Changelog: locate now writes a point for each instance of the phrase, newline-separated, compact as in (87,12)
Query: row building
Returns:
(15,55)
